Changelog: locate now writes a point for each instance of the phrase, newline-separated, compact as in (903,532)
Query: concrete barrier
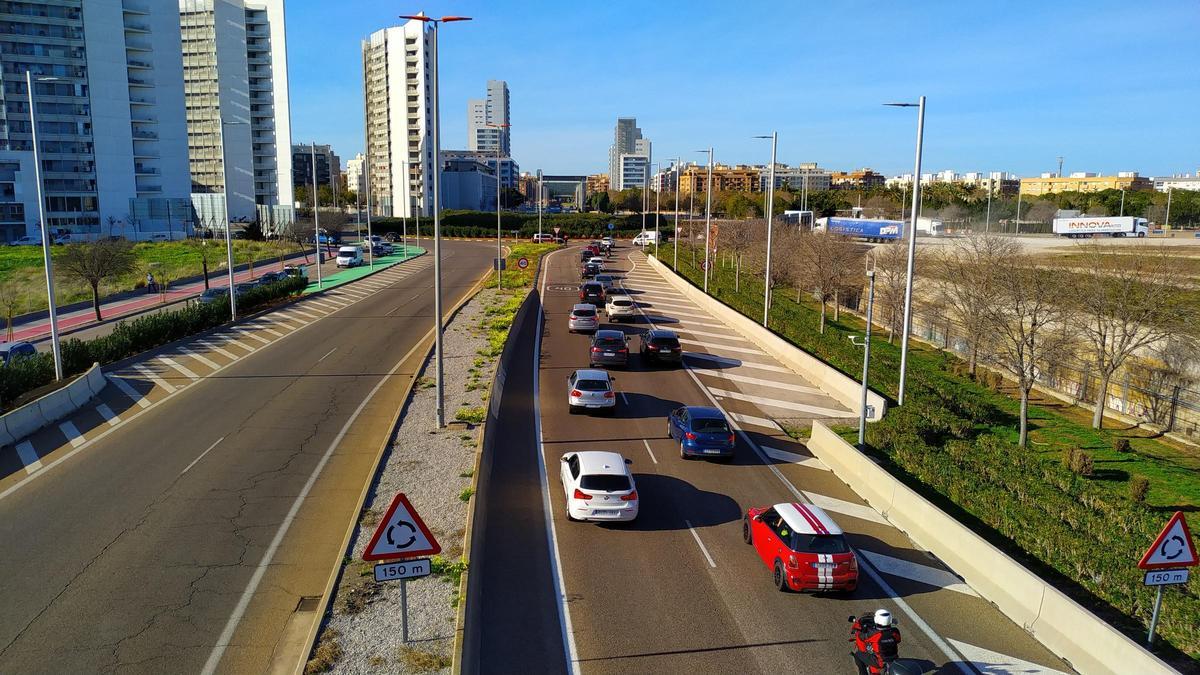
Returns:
(21,422)
(1064,626)
(845,389)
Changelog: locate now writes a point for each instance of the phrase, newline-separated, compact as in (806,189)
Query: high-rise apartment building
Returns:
(329,165)
(236,84)
(397,83)
(493,110)
(354,174)
(112,137)
(628,156)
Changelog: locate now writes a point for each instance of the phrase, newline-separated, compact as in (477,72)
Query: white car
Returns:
(349,256)
(620,307)
(599,486)
(26,241)
(591,389)
(597,260)
(644,238)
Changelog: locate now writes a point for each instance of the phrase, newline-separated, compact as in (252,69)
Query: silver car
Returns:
(584,318)
(591,390)
(607,280)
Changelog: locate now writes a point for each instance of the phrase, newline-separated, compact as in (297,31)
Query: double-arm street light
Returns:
(499,255)
(708,218)
(41,214)
(770,213)
(675,235)
(437,219)
(912,241)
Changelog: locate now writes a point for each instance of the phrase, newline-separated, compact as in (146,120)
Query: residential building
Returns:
(628,156)
(862,179)
(235,78)
(469,184)
(509,171)
(354,174)
(797,178)
(694,178)
(493,111)
(1049,183)
(999,182)
(397,72)
(113,148)
(527,186)
(1181,182)
(329,165)
(634,169)
(597,183)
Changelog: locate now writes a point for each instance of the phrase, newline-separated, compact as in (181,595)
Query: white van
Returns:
(349,256)
(644,238)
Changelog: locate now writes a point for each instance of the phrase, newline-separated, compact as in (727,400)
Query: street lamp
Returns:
(1167,223)
(539,205)
(225,206)
(675,235)
(1122,203)
(912,241)
(317,215)
(370,241)
(770,212)
(866,345)
(657,192)
(437,219)
(499,254)
(987,224)
(708,218)
(37,173)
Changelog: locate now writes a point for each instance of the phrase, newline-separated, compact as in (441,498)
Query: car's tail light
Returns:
(793,562)
(731,439)
(596,349)
(853,562)
(610,394)
(580,494)
(652,348)
(622,350)
(631,497)
(689,435)
(576,392)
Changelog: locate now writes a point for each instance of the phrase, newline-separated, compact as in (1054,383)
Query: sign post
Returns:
(1172,551)
(402,535)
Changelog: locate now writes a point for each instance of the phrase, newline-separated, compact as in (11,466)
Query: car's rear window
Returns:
(592,288)
(591,385)
(710,426)
(610,342)
(583,312)
(819,543)
(623,303)
(604,482)
(665,342)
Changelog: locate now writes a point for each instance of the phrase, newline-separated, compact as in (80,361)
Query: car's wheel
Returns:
(682,453)
(780,578)
(746,536)
(570,517)
(670,431)
(572,409)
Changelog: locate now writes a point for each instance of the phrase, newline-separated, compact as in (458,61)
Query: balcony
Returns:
(138,63)
(140,82)
(149,189)
(136,28)
(141,170)
(141,135)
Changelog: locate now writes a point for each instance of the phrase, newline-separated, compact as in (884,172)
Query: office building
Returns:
(509,170)
(694,178)
(861,179)
(113,143)
(354,174)
(329,169)
(397,72)
(1049,183)
(1181,182)
(628,156)
(468,184)
(236,84)
(492,111)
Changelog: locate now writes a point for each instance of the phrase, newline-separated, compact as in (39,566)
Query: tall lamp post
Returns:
(866,345)
(708,218)
(539,205)
(437,219)
(987,224)
(675,235)
(499,237)
(912,242)
(770,213)
(225,206)
(45,230)
(370,241)
(1167,220)
(657,192)
(317,215)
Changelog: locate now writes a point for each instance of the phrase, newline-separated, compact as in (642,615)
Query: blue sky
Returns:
(1110,86)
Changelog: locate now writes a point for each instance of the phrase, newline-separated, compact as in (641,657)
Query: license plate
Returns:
(824,566)
(609,353)
(604,512)
(713,452)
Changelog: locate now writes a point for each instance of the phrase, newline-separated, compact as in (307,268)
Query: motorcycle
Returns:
(892,666)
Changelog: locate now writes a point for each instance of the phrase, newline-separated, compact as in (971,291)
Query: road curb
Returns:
(460,616)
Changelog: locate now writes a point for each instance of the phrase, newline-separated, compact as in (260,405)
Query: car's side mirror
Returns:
(563,458)
(628,461)
(851,619)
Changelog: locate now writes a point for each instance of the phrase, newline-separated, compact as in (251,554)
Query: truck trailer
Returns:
(1101,226)
(870,229)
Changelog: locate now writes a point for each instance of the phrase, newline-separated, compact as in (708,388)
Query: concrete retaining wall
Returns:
(1058,622)
(846,390)
(21,422)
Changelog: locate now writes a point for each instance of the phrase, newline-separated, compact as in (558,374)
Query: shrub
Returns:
(1079,462)
(1139,487)
(1121,444)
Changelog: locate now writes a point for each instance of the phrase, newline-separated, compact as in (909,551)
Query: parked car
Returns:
(660,346)
(589,270)
(591,390)
(542,238)
(373,240)
(583,318)
(391,237)
(11,352)
(26,241)
(160,237)
(271,277)
(701,432)
(213,294)
(67,238)
(804,548)
(592,293)
(608,348)
(598,486)
(243,288)
(349,256)
(296,271)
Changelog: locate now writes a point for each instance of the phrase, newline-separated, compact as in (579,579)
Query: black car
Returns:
(585,255)
(660,346)
(589,270)
(608,348)
(271,277)
(592,293)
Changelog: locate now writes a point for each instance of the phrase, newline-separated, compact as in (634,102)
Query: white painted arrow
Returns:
(930,576)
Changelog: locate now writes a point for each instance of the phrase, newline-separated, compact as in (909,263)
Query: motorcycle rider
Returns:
(876,642)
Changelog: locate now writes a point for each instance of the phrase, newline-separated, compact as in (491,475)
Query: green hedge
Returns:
(952,442)
(135,336)
(483,224)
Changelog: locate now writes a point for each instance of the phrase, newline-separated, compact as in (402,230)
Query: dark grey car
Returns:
(609,348)
(660,346)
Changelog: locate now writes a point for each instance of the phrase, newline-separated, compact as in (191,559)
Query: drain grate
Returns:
(308,603)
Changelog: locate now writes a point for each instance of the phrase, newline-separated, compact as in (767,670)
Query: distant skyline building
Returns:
(1182,182)
(468,183)
(397,72)
(509,170)
(1082,181)
(113,138)
(236,85)
(492,110)
(628,156)
(354,174)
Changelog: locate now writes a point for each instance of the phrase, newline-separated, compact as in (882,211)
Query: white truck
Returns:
(931,227)
(1102,226)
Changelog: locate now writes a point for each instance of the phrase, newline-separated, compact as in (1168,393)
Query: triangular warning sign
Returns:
(401,534)
(1173,548)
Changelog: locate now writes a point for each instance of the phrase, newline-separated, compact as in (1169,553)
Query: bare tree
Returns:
(10,303)
(1125,304)
(966,279)
(828,262)
(1176,366)
(1028,320)
(736,238)
(297,233)
(207,254)
(891,266)
(93,263)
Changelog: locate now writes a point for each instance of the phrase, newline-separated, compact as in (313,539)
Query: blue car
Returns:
(701,432)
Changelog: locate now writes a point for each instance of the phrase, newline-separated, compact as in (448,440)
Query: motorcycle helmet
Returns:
(883,618)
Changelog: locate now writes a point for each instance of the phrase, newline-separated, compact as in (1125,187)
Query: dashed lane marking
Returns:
(129,391)
(699,543)
(649,451)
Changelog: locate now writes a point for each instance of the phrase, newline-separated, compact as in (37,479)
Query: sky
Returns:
(1010,86)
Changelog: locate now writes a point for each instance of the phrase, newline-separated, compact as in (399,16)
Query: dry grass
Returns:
(423,661)
(326,654)
(357,590)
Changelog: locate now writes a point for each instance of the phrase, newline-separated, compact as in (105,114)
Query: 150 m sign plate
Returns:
(1166,577)
(406,569)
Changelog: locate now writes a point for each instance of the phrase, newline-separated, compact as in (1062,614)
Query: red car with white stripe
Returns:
(803,547)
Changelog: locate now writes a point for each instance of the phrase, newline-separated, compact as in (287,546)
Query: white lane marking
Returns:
(649,451)
(699,543)
(722,348)
(683,328)
(623,399)
(266,328)
(214,658)
(794,458)
(327,354)
(310,316)
(28,457)
(74,437)
(150,375)
(737,363)
(227,354)
(930,576)
(753,420)
(195,461)
(172,363)
(107,413)
(654,304)
(993,663)
(199,357)
(280,316)
(758,382)
(329,306)
(780,403)
(129,391)
(564,612)
(230,340)
(846,508)
(250,334)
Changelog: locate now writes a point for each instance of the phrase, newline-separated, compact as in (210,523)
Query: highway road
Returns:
(188,520)
(678,590)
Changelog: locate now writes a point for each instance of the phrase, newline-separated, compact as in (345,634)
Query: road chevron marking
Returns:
(780,403)
(930,576)
(993,663)
(794,458)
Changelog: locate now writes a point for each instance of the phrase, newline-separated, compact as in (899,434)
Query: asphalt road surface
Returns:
(188,519)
